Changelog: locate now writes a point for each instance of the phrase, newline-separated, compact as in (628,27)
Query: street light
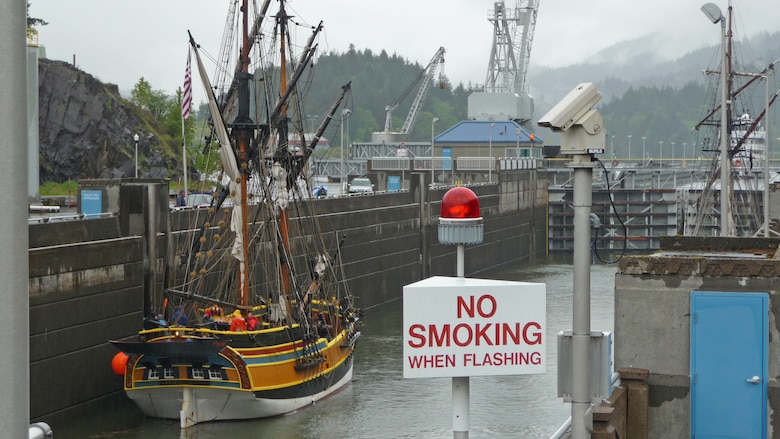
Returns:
(344,114)
(135,138)
(490,153)
(433,149)
(674,154)
(612,146)
(661,158)
(629,147)
(713,13)
(768,142)
(312,118)
(644,157)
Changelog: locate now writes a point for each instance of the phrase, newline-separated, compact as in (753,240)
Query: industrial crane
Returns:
(506,92)
(426,76)
(513,34)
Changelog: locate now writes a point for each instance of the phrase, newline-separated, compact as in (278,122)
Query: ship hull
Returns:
(197,380)
(193,405)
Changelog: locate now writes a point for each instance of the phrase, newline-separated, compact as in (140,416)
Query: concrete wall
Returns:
(652,317)
(81,295)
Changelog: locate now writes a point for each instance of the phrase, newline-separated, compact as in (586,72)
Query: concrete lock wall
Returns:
(652,318)
(90,278)
(81,295)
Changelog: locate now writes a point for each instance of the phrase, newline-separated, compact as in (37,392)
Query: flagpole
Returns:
(186,105)
(184,158)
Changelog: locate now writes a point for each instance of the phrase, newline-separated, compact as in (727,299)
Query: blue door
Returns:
(446,162)
(729,365)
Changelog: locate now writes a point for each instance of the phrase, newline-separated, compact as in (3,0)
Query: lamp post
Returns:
(612,146)
(644,157)
(629,147)
(312,118)
(490,153)
(344,114)
(766,149)
(673,154)
(713,13)
(661,157)
(433,149)
(135,139)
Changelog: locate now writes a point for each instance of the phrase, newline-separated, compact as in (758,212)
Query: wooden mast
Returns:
(283,151)
(244,124)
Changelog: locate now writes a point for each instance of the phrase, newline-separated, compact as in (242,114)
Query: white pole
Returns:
(344,115)
(433,149)
(644,157)
(490,153)
(766,155)
(725,169)
(14,262)
(184,158)
(582,422)
(629,147)
(460,385)
(135,138)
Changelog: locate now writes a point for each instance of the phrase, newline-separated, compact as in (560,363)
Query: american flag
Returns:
(186,98)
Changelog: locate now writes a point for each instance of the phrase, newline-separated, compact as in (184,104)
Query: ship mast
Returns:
(244,127)
(282,151)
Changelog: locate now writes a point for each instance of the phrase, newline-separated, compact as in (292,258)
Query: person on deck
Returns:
(252,322)
(238,323)
(180,200)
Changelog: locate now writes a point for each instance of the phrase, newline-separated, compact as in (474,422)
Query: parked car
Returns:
(360,185)
(196,200)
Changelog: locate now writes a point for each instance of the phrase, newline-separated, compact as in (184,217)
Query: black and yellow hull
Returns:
(198,375)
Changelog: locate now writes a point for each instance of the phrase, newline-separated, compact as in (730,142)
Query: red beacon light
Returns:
(460,222)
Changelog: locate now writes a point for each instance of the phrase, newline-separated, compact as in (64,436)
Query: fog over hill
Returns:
(641,63)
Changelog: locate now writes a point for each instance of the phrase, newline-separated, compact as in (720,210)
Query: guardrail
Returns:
(69,217)
(563,429)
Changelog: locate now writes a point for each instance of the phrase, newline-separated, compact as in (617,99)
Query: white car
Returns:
(360,185)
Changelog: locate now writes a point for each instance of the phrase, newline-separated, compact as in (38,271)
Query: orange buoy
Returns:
(119,363)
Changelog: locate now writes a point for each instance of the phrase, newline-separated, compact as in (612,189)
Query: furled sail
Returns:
(227,157)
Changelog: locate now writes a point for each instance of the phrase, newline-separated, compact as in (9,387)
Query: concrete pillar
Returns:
(14,258)
(33,147)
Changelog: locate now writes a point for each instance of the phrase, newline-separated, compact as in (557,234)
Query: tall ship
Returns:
(732,206)
(256,319)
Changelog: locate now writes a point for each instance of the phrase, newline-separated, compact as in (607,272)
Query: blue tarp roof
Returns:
(479,131)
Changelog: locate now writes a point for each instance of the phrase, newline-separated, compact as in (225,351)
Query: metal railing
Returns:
(563,429)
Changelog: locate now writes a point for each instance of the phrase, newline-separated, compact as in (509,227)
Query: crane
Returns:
(513,33)
(426,76)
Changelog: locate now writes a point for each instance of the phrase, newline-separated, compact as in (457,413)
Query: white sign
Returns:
(459,327)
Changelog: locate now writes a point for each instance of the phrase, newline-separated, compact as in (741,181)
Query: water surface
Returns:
(380,403)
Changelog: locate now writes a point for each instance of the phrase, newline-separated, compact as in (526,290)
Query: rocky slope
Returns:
(87,129)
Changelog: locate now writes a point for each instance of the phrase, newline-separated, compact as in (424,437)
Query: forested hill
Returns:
(380,80)
(644,95)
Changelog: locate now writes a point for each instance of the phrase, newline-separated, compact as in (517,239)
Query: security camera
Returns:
(571,108)
(580,125)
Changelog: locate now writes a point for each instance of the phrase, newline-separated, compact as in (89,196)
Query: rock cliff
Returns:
(87,128)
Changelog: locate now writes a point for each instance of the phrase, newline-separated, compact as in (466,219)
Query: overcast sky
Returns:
(120,41)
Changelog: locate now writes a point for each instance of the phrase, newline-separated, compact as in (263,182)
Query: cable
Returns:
(617,215)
